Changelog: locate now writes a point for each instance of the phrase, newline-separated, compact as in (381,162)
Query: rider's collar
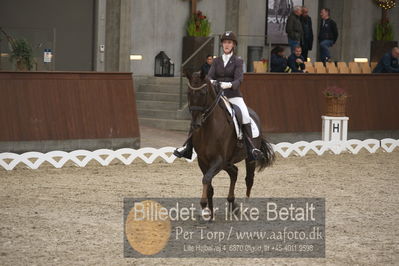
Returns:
(226,57)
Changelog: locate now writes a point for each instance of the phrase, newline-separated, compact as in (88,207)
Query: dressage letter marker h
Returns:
(334,128)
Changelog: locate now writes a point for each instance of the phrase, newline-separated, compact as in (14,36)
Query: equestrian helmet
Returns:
(229,35)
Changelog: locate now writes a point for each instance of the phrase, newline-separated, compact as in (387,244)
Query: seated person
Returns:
(278,62)
(296,61)
(389,62)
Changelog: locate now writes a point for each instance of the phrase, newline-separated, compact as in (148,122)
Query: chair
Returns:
(321,69)
(354,68)
(373,65)
(330,64)
(343,68)
(365,68)
(259,67)
(331,68)
(318,64)
(308,64)
(310,69)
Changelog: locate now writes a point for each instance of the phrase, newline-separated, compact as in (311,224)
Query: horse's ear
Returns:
(188,74)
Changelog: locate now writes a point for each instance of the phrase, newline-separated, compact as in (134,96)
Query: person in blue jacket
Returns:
(278,62)
(296,62)
(389,63)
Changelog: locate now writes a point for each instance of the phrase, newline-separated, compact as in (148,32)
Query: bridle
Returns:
(205,110)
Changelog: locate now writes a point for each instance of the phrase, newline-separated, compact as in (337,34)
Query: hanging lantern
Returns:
(164,66)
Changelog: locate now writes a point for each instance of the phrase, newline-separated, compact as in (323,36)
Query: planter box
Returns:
(190,45)
(379,48)
(336,106)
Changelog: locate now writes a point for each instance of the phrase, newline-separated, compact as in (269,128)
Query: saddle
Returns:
(235,116)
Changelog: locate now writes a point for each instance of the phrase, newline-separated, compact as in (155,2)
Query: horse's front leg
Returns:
(213,170)
(232,170)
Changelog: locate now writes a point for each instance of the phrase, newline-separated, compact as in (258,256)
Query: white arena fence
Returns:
(127,156)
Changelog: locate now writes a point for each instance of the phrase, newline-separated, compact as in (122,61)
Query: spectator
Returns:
(389,62)
(328,34)
(206,66)
(278,61)
(307,43)
(294,28)
(296,62)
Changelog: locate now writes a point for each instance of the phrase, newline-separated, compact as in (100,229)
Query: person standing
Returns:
(307,44)
(328,34)
(294,28)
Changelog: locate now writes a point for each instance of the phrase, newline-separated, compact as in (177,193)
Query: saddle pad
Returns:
(255,129)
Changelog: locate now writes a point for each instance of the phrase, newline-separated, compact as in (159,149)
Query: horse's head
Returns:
(199,94)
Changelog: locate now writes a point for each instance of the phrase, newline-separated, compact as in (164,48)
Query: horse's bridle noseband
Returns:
(205,110)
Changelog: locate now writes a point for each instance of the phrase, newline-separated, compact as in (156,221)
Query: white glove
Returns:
(213,82)
(226,85)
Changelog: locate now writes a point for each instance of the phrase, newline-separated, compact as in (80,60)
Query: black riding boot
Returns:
(253,152)
(187,152)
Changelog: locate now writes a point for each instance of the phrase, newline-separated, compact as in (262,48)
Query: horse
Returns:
(215,141)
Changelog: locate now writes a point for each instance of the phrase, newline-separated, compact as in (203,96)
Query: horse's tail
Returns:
(269,156)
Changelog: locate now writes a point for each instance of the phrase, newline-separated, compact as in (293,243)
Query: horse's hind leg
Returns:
(249,178)
(232,170)
(210,199)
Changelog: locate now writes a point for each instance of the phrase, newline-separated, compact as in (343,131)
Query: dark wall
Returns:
(67,106)
(73,21)
(295,103)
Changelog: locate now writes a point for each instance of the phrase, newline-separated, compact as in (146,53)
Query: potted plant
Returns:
(198,30)
(198,25)
(336,101)
(383,33)
(21,52)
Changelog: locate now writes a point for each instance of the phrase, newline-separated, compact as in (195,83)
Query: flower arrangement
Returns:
(335,92)
(198,25)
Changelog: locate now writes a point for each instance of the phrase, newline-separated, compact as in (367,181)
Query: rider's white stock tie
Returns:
(226,58)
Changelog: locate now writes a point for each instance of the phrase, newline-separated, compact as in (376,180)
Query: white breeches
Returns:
(239,101)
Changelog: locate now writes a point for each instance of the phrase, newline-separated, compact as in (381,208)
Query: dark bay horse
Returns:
(215,141)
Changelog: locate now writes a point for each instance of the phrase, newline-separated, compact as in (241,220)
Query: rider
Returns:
(228,70)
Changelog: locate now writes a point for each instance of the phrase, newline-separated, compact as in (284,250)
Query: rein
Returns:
(207,111)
